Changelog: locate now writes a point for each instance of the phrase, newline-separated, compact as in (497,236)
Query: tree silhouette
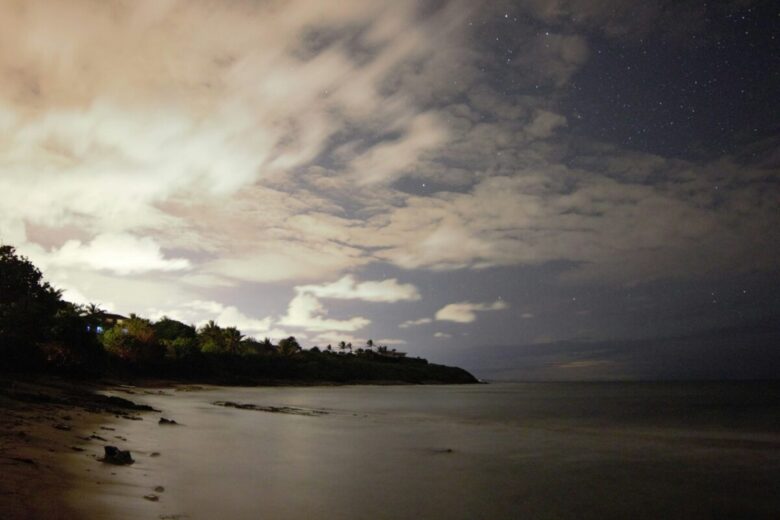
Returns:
(211,337)
(289,346)
(232,340)
(27,307)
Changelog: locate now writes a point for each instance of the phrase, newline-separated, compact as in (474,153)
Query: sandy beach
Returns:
(52,433)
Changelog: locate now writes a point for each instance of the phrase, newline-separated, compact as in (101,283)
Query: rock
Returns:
(128,405)
(159,489)
(166,422)
(155,454)
(63,427)
(272,409)
(152,498)
(114,455)
(24,460)
(444,450)
(76,448)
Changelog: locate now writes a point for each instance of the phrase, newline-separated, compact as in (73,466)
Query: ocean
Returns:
(495,451)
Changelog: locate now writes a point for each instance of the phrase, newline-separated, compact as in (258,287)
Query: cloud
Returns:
(390,159)
(414,323)
(306,311)
(292,143)
(544,124)
(348,288)
(442,335)
(114,121)
(465,312)
(121,253)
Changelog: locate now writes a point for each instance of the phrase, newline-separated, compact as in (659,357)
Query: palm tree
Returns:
(93,309)
(342,346)
(211,337)
(91,314)
(349,346)
(370,344)
(233,338)
(289,346)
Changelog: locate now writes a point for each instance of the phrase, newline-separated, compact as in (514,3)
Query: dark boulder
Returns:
(114,455)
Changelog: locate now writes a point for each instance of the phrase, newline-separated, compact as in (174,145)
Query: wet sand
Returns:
(52,433)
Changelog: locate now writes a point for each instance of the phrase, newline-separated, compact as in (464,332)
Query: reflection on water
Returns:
(488,451)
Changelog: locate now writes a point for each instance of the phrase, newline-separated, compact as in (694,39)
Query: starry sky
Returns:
(559,189)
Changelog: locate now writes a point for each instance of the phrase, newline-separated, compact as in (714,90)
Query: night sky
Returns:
(532,190)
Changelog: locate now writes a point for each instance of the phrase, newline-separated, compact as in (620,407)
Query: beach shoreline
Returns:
(53,431)
(52,434)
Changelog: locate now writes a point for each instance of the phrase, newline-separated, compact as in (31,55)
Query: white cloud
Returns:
(306,311)
(414,323)
(465,312)
(389,160)
(121,253)
(442,335)
(544,124)
(348,288)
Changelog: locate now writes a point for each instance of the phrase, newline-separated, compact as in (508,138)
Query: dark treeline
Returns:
(41,332)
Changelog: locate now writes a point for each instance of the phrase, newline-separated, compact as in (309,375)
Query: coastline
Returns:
(52,433)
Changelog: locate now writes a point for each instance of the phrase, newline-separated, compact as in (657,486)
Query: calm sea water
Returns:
(499,451)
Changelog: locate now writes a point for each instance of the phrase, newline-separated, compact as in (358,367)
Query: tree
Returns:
(93,309)
(169,329)
(28,306)
(289,346)
(370,344)
(342,346)
(211,337)
(232,340)
(133,340)
(72,344)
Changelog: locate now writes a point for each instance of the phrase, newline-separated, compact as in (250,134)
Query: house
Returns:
(383,351)
(105,320)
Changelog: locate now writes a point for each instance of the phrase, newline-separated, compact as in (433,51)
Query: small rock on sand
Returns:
(114,455)
(152,498)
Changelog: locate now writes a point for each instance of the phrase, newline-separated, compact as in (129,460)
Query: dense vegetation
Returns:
(40,331)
